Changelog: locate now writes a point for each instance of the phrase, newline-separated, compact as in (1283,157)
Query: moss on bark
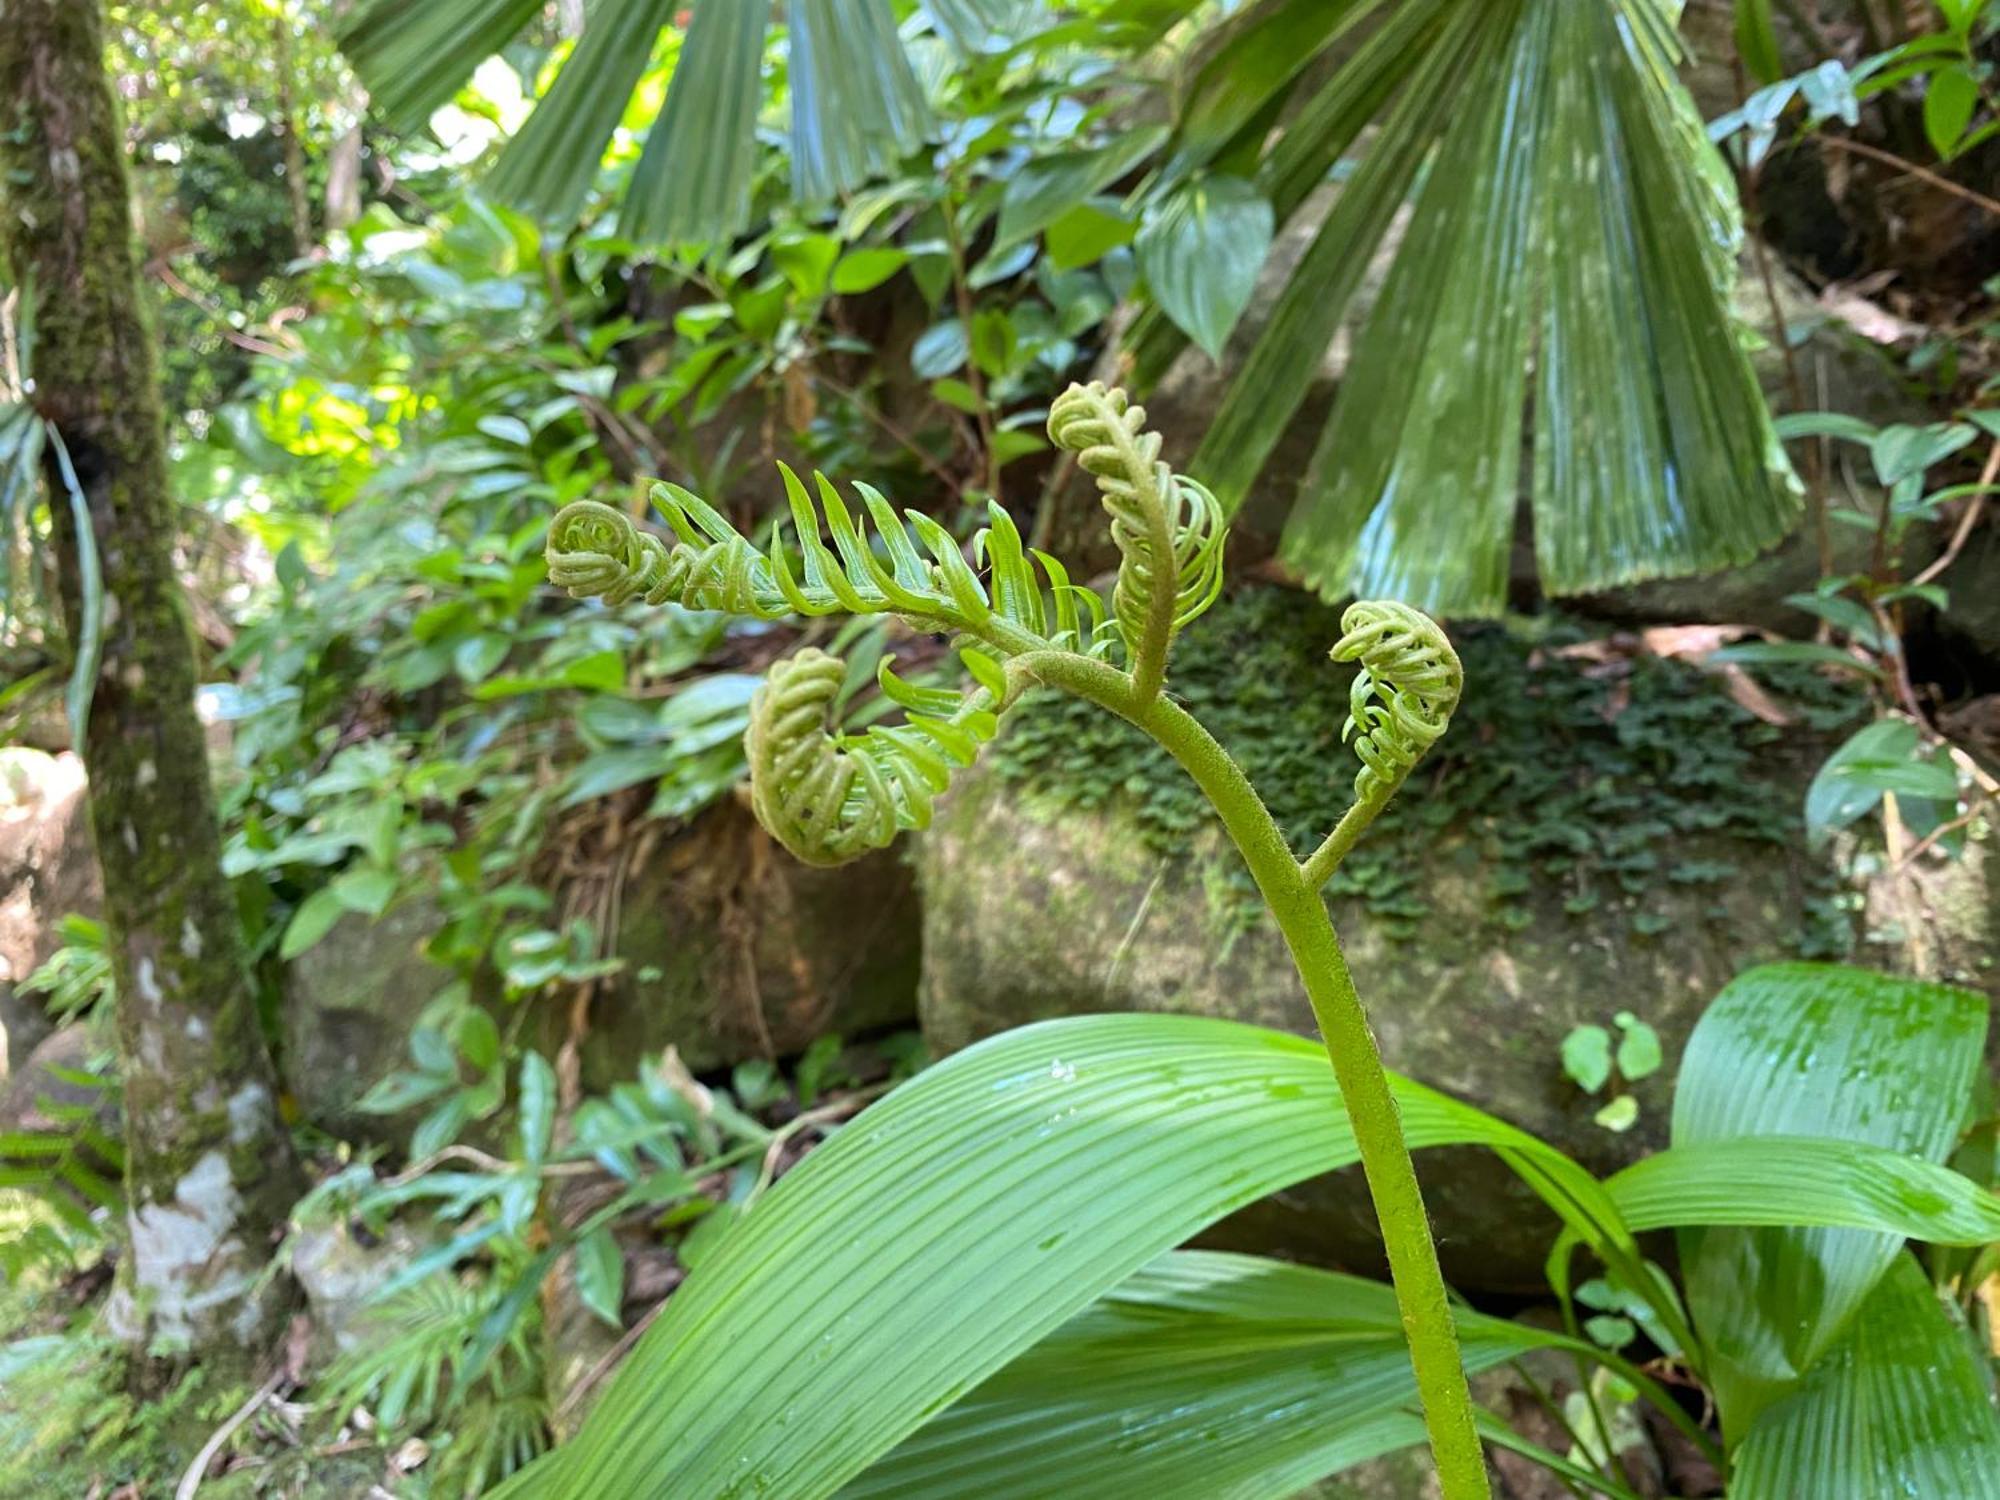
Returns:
(210,1173)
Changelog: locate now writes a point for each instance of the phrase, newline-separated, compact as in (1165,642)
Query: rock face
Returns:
(1595,835)
(351,1003)
(732,950)
(47,870)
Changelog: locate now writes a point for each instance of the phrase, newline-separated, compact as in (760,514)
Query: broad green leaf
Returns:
(1949,100)
(600,1274)
(1047,187)
(1797,1049)
(1898,1406)
(864,270)
(1901,451)
(547,170)
(953,1225)
(1849,783)
(312,921)
(1586,1057)
(1268,46)
(367,889)
(1283,363)
(537,1107)
(1202,1375)
(856,105)
(1804,1180)
(1201,251)
(1572,219)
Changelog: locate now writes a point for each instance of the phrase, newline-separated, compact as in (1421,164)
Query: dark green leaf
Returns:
(1796,1049)
(1757,40)
(693,177)
(600,1274)
(1200,252)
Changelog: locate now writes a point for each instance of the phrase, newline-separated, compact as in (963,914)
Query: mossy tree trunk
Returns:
(210,1172)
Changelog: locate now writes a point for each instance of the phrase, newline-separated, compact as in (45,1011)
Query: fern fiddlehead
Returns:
(1403,697)
(829,797)
(1168,529)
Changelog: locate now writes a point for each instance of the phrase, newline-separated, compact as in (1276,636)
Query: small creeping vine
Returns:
(1018,621)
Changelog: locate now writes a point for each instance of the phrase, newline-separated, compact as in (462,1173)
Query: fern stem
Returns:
(1302,917)
(1319,866)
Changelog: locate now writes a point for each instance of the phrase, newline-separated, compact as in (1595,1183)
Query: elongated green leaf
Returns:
(1393,508)
(1269,45)
(1806,1180)
(693,177)
(414,57)
(856,105)
(1573,217)
(953,1225)
(1757,40)
(1897,1407)
(1282,364)
(1203,1375)
(547,169)
(1045,189)
(1792,1049)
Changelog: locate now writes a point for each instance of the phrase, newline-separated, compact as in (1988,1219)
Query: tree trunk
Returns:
(210,1172)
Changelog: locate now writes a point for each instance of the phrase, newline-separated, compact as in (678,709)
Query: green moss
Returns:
(1560,772)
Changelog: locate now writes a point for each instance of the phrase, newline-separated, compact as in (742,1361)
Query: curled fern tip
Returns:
(1403,697)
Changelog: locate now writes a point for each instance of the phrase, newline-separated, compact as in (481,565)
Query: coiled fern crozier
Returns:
(1018,621)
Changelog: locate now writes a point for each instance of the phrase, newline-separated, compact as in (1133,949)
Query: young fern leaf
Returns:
(829,797)
(1028,603)
(1403,697)
(1169,529)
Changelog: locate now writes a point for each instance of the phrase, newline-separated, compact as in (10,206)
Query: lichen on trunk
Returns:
(210,1172)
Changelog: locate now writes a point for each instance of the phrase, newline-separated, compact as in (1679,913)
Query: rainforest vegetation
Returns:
(999,748)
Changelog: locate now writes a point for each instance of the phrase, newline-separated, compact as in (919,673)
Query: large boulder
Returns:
(731,949)
(351,1002)
(48,870)
(1600,832)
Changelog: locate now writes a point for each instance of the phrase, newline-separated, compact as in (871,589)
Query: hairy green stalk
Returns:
(830,797)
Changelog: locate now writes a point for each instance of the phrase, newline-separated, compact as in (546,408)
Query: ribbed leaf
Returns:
(856,105)
(1898,1406)
(1806,1180)
(414,57)
(1413,489)
(1794,1049)
(956,1223)
(1203,1376)
(693,177)
(1282,364)
(1573,218)
(547,170)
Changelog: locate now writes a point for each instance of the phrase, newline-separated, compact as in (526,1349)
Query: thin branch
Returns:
(186,293)
(1924,174)
(888,427)
(191,1480)
(1966,522)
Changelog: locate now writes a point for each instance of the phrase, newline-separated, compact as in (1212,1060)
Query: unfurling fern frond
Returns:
(829,797)
(1403,697)
(1169,530)
(1026,604)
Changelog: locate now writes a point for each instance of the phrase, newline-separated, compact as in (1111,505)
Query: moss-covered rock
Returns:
(1598,833)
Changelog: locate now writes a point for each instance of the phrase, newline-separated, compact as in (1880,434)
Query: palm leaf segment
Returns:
(856,105)
(1569,250)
